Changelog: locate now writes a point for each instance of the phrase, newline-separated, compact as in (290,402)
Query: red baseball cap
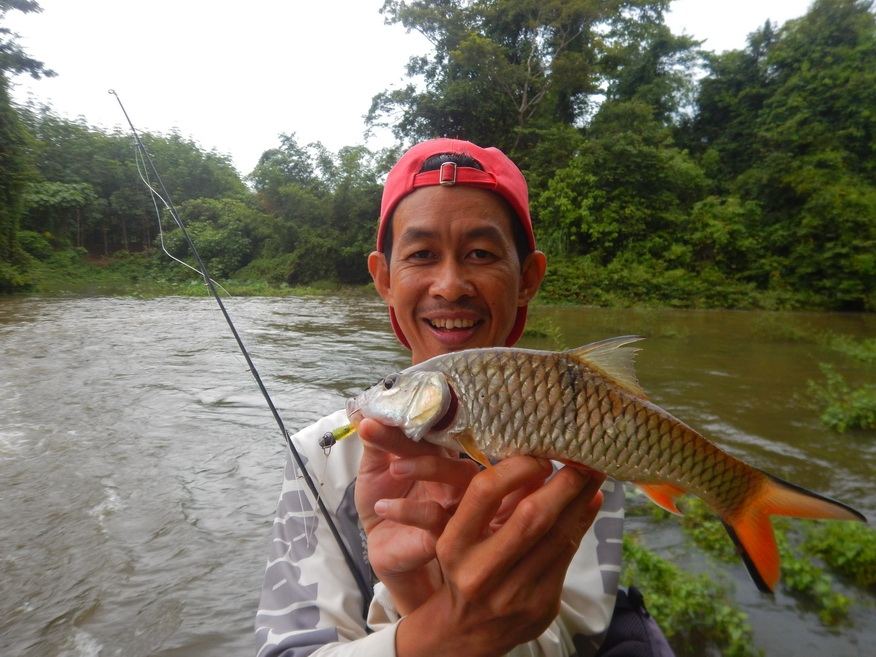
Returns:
(499,175)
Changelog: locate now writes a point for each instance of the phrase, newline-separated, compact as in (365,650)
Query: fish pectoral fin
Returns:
(663,495)
(470,447)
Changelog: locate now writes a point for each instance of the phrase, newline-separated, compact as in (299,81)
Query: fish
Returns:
(585,408)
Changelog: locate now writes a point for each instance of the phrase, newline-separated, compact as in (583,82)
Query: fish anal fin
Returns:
(756,544)
(663,495)
(470,447)
(611,358)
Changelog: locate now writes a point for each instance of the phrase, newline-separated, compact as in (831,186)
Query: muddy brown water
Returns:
(139,465)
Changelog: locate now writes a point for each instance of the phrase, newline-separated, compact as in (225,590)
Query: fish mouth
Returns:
(354,414)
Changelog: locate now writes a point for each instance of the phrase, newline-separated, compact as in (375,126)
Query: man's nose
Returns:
(451,281)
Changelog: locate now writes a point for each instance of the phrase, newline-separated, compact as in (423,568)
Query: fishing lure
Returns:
(148,165)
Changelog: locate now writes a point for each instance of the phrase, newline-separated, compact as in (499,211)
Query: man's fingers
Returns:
(427,515)
(392,439)
(441,469)
(533,518)
(550,558)
(486,492)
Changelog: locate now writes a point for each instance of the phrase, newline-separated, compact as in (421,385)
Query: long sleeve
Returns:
(310,604)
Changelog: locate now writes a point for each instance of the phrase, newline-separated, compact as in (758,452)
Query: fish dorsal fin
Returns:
(609,357)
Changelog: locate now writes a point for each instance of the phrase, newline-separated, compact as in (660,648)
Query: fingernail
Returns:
(381,507)
(401,467)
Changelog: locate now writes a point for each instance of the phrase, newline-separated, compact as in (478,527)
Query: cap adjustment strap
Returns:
(447,174)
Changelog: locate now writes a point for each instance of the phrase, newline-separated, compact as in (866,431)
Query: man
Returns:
(517,559)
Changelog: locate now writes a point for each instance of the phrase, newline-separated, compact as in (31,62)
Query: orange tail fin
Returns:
(751,530)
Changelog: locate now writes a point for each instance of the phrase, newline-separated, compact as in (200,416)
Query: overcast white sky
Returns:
(235,75)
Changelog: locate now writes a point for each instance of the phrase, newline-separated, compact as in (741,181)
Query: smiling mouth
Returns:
(452,324)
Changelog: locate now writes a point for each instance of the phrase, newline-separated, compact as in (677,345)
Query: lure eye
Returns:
(389,381)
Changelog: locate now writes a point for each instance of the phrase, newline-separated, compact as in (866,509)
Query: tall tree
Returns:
(502,71)
(14,163)
(815,174)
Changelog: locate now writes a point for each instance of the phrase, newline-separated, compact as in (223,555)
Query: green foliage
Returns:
(224,231)
(706,530)
(543,328)
(842,406)
(806,580)
(694,612)
(13,60)
(753,188)
(626,191)
(848,548)
(88,191)
(14,172)
(630,280)
(36,244)
(863,350)
(784,124)
(503,72)
(325,207)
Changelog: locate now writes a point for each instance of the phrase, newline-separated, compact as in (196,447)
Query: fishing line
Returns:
(153,194)
(164,196)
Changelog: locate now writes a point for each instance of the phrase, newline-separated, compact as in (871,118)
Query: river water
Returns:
(139,465)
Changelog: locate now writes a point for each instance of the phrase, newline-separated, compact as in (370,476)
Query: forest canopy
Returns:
(659,171)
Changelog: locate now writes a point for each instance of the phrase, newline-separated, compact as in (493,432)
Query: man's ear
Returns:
(531,276)
(379,270)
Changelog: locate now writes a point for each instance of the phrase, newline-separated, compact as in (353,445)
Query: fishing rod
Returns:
(164,196)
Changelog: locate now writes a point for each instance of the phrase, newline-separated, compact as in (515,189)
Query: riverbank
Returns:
(578,281)
(148,275)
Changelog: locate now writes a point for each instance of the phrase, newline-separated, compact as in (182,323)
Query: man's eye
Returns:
(481,254)
(422,254)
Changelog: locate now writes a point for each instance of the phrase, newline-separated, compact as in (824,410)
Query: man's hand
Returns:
(405,494)
(478,559)
(502,587)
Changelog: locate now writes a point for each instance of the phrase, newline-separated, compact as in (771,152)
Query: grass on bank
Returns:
(579,280)
(150,274)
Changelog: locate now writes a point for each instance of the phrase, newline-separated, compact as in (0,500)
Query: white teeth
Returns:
(451,323)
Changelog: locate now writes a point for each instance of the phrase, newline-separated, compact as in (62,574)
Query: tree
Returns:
(627,190)
(503,71)
(122,217)
(802,144)
(13,60)
(14,142)
(58,207)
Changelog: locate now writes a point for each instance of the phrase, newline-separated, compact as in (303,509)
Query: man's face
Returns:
(454,279)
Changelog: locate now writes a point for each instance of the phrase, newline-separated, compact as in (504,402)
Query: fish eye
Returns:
(389,381)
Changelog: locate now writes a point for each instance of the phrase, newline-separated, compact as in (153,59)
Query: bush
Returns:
(35,244)
(844,407)
(13,277)
(694,612)
(848,548)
